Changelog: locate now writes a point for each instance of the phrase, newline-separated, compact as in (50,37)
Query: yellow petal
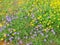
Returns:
(1,25)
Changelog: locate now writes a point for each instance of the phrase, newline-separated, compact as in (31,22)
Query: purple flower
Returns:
(53,32)
(8,18)
(14,32)
(41,33)
(0,29)
(10,39)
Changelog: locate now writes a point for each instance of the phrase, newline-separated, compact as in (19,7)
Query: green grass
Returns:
(31,15)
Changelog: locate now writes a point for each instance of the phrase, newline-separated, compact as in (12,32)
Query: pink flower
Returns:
(8,18)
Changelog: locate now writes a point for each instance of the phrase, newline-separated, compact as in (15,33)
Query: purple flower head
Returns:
(0,29)
(52,30)
(8,18)
(41,33)
(15,32)
(10,39)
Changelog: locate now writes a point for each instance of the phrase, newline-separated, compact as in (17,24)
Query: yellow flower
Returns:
(50,26)
(1,25)
(48,23)
(13,34)
(39,17)
(45,30)
(20,1)
(14,30)
(36,0)
(0,1)
(30,10)
(1,39)
(55,4)
(5,35)
(31,24)
(29,14)
(33,20)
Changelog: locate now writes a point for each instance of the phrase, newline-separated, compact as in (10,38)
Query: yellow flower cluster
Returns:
(55,4)
(39,17)
(2,38)
(20,2)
